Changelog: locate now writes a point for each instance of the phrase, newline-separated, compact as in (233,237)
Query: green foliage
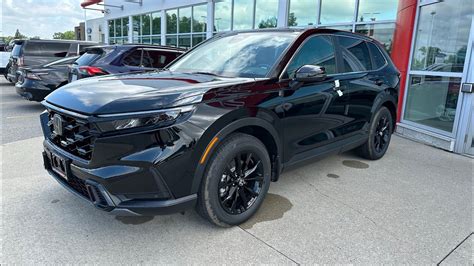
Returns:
(268,23)
(292,20)
(67,35)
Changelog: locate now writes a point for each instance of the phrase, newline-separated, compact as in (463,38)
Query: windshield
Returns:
(249,55)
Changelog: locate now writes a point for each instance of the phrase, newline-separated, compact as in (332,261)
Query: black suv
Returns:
(115,59)
(38,52)
(215,127)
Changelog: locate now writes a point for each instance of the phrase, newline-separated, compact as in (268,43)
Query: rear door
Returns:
(359,80)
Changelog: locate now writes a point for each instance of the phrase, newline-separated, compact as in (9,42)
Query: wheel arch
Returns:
(254,126)
(388,100)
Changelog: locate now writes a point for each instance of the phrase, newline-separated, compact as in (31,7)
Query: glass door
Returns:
(433,96)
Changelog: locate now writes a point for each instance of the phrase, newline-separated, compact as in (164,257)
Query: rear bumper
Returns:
(32,91)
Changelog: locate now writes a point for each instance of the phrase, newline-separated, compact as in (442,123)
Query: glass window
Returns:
(266,13)
(172,21)
(243,14)
(342,27)
(156,23)
(125,24)
(222,15)
(145,40)
(432,101)
(199,18)
(381,32)
(442,36)
(184,41)
(158,59)
(133,59)
(137,27)
(185,20)
(318,51)
(355,54)
(59,49)
(111,28)
(377,56)
(337,11)
(250,55)
(198,38)
(370,10)
(172,40)
(302,13)
(156,40)
(118,28)
(146,24)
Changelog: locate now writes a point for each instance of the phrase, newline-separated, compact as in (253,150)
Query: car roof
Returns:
(54,41)
(133,45)
(313,30)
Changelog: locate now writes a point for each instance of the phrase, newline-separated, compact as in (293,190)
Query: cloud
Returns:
(41,17)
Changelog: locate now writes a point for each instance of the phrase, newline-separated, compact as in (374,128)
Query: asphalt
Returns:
(413,206)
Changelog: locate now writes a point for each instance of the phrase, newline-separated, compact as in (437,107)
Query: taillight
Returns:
(92,71)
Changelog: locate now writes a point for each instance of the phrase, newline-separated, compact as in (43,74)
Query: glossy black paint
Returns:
(112,62)
(143,169)
(48,77)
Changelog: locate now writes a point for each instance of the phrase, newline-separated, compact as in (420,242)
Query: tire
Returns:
(223,188)
(380,134)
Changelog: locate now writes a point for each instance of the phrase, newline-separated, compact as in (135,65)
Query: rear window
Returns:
(157,58)
(46,49)
(16,50)
(377,56)
(91,56)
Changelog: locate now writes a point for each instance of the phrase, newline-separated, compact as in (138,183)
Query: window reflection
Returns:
(137,26)
(199,18)
(125,24)
(171,21)
(370,10)
(336,11)
(432,101)
(222,15)
(146,24)
(381,32)
(118,28)
(185,20)
(156,23)
(243,14)
(442,36)
(266,13)
(302,13)
(318,51)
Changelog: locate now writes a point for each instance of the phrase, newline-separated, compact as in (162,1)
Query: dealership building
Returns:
(430,41)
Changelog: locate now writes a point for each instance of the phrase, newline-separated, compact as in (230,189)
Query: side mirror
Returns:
(309,73)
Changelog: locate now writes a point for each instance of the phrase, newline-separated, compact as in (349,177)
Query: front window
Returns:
(245,55)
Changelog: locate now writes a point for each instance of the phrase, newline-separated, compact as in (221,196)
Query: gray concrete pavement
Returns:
(19,117)
(412,206)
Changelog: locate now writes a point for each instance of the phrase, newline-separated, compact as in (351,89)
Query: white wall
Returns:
(98,29)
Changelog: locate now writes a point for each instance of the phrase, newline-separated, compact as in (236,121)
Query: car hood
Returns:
(137,92)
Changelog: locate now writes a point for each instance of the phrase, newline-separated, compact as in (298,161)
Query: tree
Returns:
(18,35)
(67,35)
(292,20)
(268,23)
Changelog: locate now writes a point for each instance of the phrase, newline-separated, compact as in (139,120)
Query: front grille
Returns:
(71,134)
(79,185)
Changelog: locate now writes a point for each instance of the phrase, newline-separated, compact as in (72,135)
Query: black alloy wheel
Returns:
(241,183)
(236,180)
(380,134)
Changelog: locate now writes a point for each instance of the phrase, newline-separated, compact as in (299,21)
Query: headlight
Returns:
(159,118)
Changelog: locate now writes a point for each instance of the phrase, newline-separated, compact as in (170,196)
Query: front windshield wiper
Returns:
(206,73)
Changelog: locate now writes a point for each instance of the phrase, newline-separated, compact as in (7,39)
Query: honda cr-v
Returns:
(218,125)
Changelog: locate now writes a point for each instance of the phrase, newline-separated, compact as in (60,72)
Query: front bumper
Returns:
(96,194)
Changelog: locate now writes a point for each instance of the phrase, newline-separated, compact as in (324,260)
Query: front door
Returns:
(316,112)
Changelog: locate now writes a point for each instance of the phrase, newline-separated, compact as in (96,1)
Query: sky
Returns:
(41,17)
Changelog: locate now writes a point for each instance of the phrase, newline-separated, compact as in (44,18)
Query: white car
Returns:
(4,57)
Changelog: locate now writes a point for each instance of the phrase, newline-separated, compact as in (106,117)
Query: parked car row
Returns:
(38,67)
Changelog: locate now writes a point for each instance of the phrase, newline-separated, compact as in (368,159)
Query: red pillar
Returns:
(402,43)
